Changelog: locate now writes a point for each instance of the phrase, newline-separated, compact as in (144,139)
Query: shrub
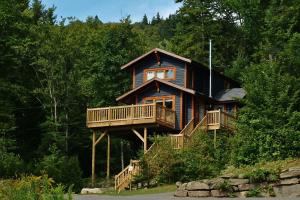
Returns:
(225,186)
(253,192)
(62,169)
(199,159)
(262,175)
(32,188)
(10,164)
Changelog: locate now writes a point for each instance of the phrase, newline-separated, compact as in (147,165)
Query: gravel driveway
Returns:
(161,196)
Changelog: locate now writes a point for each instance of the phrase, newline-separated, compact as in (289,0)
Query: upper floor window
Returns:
(162,73)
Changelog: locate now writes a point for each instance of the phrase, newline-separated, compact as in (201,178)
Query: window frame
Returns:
(163,98)
(155,70)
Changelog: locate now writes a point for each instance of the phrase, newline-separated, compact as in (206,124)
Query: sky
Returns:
(112,10)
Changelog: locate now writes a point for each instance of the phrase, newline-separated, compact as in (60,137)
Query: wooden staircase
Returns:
(126,176)
(213,120)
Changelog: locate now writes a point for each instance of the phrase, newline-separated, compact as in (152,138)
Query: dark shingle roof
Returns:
(230,94)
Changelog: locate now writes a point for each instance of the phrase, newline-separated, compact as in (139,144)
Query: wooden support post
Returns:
(145,140)
(108,157)
(215,138)
(93,157)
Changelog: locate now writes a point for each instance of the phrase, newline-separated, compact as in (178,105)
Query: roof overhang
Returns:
(155,51)
(159,81)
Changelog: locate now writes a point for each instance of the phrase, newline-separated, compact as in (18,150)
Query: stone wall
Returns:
(229,185)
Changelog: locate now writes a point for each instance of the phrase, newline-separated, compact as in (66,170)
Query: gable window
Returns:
(167,73)
(166,101)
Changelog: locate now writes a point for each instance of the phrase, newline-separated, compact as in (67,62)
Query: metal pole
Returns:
(210,86)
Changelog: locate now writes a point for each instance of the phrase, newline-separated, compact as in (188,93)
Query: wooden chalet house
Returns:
(169,94)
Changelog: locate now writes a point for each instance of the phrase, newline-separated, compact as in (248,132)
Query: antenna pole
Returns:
(210,86)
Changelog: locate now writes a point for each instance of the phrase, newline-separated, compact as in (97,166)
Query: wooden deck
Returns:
(130,115)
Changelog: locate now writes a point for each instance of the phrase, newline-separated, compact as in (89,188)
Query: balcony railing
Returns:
(130,115)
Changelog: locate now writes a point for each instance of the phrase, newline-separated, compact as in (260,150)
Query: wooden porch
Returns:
(130,115)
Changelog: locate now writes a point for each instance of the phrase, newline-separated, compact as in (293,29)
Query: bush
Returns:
(262,175)
(10,164)
(62,169)
(32,188)
(199,159)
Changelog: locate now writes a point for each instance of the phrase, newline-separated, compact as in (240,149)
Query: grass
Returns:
(274,165)
(154,190)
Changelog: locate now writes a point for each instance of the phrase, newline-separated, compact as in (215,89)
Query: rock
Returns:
(218,193)
(235,188)
(195,185)
(198,193)
(178,184)
(294,169)
(238,181)
(91,191)
(287,190)
(290,174)
(289,181)
(181,193)
(182,186)
(242,194)
(246,186)
(227,176)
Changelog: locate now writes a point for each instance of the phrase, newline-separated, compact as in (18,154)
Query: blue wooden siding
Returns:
(164,91)
(166,61)
(188,108)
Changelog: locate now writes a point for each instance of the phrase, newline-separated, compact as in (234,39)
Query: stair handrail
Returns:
(127,172)
(201,123)
(185,130)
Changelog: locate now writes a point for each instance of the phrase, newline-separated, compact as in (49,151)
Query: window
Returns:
(162,73)
(167,101)
(150,75)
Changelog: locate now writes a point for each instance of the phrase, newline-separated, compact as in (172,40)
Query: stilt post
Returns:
(215,138)
(93,157)
(145,139)
(108,157)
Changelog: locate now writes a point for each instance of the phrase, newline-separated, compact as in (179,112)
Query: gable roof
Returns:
(187,90)
(230,94)
(154,51)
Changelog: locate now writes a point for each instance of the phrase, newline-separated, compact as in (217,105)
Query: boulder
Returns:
(290,174)
(238,181)
(218,193)
(245,187)
(195,185)
(242,194)
(198,193)
(178,184)
(287,190)
(235,188)
(91,191)
(289,181)
(181,193)
(182,186)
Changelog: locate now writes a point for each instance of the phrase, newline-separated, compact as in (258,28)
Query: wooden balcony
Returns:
(130,115)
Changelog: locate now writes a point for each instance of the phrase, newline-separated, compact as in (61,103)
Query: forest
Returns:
(52,69)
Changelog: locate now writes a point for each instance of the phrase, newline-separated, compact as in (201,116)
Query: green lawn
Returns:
(154,190)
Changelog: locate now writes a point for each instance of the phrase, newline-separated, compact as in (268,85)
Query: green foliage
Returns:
(267,128)
(253,192)
(225,186)
(10,164)
(262,175)
(31,188)
(62,169)
(197,160)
